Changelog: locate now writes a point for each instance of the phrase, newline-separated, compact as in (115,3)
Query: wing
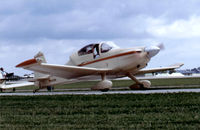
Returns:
(16,85)
(63,71)
(154,70)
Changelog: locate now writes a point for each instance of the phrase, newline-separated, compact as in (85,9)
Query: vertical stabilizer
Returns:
(40,56)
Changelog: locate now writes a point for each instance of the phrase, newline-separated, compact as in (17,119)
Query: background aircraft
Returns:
(11,81)
(96,61)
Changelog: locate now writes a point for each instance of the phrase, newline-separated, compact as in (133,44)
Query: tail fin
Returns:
(40,56)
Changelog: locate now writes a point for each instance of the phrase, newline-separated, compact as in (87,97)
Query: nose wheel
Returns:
(144,84)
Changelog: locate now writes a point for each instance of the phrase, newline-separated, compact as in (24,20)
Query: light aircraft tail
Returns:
(41,57)
(41,80)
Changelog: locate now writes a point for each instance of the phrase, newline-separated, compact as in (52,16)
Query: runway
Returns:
(101,93)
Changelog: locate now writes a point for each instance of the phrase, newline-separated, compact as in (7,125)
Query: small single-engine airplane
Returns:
(96,61)
(10,81)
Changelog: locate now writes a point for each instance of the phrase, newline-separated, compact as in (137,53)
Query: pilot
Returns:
(96,51)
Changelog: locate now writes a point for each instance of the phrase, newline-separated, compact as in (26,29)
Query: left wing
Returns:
(63,71)
(154,70)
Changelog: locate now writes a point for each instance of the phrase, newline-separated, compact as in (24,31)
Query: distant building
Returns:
(190,71)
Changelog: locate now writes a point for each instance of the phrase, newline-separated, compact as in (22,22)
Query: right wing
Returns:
(154,70)
(63,71)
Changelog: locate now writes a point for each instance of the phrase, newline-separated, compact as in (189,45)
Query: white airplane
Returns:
(96,61)
(6,84)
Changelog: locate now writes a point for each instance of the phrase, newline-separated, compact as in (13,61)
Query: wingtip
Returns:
(27,62)
(178,65)
(181,64)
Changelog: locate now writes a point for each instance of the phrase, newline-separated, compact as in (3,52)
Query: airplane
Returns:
(9,81)
(96,61)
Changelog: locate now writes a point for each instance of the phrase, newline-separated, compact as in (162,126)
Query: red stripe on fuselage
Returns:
(110,57)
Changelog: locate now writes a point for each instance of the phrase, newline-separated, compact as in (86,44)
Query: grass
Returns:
(131,111)
(125,83)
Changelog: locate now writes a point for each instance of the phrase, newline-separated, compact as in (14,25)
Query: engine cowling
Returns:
(103,85)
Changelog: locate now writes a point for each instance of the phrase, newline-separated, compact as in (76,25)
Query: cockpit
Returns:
(95,48)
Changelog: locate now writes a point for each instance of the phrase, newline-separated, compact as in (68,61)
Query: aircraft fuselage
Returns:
(132,59)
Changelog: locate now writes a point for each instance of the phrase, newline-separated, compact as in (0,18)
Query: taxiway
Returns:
(101,93)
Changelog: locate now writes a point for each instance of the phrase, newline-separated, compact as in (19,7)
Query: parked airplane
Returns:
(10,81)
(96,61)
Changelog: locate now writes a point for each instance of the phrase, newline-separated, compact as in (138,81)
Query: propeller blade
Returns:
(161,46)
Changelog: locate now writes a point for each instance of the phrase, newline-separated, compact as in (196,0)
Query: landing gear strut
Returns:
(103,85)
(144,84)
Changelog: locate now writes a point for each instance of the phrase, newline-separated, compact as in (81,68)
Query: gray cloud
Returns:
(92,19)
(43,25)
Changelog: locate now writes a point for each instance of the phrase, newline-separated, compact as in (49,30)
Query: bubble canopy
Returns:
(102,47)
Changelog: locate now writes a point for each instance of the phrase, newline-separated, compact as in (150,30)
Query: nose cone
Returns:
(152,51)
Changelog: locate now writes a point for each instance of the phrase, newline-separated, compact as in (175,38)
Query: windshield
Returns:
(105,47)
(94,48)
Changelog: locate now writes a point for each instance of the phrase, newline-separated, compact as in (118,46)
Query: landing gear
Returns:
(36,90)
(103,85)
(144,84)
(1,90)
(105,90)
(14,89)
(136,87)
(50,88)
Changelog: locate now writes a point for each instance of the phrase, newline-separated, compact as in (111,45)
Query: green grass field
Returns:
(126,83)
(131,111)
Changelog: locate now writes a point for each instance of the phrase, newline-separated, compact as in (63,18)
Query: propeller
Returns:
(161,46)
(154,50)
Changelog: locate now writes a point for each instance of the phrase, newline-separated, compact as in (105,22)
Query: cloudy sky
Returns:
(60,27)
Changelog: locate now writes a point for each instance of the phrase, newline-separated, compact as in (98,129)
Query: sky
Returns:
(60,27)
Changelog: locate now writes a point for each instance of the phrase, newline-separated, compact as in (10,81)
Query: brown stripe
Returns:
(110,57)
(28,62)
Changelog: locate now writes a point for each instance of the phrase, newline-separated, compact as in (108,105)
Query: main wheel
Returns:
(104,90)
(14,89)
(104,85)
(136,87)
(50,88)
